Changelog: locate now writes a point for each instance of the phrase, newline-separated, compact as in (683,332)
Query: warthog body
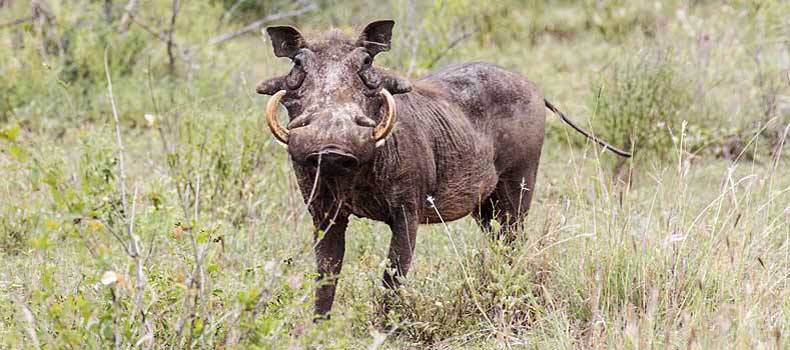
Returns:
(463,140)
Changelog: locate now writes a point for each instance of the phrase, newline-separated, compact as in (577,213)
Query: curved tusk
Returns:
(384,128)
(280,133)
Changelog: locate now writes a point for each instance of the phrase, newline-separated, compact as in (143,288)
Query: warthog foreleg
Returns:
(329,251)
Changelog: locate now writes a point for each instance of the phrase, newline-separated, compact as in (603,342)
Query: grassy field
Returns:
(144,204)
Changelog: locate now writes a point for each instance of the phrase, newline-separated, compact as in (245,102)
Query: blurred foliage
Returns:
(618,18)
(643,103)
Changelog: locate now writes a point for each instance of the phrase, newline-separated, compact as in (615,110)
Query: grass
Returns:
(211,241)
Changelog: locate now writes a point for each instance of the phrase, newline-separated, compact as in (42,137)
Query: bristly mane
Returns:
(333,38)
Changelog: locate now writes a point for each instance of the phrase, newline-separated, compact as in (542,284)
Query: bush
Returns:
(642,104)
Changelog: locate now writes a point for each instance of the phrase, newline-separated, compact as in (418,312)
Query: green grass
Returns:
(692,251)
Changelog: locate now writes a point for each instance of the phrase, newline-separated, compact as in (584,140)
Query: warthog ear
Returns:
(376,36)
(286,40)
(271,86)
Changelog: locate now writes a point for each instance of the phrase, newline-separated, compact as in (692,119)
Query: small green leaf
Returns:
(42,242)
(198,326)
(10,133)
(202,237)
(17,152)
(212,267)
(35,178)
(48,277)
(496,227)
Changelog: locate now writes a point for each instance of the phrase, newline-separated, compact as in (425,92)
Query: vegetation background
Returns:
(143,204)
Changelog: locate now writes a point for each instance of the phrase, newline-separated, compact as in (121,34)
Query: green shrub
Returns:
(642,105)
(616,19)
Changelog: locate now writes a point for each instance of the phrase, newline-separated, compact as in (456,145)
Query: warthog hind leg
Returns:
(404,234)
(509,204)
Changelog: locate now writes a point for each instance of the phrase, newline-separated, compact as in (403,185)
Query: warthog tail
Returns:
(603,143)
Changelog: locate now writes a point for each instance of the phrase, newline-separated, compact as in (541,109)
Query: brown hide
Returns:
(467,141)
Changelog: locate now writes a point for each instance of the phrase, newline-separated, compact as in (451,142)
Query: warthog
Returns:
(365,141)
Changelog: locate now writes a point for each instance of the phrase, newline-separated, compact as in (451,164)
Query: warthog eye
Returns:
(369,76)
(297,74)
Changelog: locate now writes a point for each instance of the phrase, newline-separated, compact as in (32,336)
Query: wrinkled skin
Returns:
(467,139)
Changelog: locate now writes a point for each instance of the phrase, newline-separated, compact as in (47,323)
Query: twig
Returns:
(121,170)
(453,43)
(133,249)
(170,44)
(196,281)
(117,237)
(140,279)
(161,37)
(259,23)
(116,329)
(16,22)
(200,255)
(31,323)
(197,199)
(41,18)
(225,16)
(190,304)
(39,9)
(127,15)
(778,149)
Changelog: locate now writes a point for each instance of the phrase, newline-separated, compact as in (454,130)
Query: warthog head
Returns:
(340,106)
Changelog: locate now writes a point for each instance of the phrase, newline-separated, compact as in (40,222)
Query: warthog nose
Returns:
(333,162)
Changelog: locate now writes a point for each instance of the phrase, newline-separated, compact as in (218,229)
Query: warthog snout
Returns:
(332,139)
(333,161)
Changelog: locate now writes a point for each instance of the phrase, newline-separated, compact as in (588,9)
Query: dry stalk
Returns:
(196,285)
(130,244)
(30,324)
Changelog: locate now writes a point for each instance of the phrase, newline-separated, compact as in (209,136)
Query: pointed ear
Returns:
(286,40)
(271,86)
(376,36)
